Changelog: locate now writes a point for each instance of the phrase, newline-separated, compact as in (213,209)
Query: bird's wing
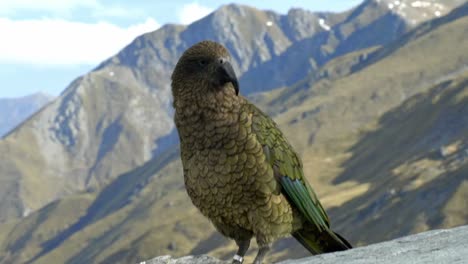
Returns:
(287,168)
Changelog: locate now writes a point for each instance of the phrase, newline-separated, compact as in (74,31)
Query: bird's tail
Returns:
(324,242)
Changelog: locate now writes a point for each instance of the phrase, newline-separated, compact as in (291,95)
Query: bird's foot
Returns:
(237,259)
(261,254)
(243,247)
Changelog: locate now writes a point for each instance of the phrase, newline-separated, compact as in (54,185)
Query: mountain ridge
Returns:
(15,110)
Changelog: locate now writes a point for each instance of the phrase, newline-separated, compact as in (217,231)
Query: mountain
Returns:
(14,111)
(381,131)
(119,115)
(373,23)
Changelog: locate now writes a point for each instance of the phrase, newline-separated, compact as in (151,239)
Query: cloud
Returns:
(67,8)
(192,12)
(56,6)
(63,42)
(117,12)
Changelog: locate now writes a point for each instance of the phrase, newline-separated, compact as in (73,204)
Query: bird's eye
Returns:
(202,62)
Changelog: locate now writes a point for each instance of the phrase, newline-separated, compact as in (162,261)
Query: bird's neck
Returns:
(208,107)
(195,119)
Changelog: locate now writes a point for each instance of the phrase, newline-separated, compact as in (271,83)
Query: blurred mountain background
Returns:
(374,99)
(13,111)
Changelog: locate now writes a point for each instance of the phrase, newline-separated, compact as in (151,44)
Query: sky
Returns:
(46,44)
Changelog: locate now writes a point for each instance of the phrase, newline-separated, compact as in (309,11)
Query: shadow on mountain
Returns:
(411,179)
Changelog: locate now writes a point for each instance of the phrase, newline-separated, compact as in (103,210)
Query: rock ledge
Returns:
(448,246)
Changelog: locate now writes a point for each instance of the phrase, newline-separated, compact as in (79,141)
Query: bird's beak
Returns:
(227,74)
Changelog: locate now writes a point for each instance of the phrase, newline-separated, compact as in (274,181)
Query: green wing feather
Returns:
(287,168)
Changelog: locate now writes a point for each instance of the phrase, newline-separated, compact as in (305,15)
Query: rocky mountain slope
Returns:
(362,28)
(382,133)
(14,111)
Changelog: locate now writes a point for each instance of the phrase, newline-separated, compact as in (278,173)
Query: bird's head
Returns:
(204,68)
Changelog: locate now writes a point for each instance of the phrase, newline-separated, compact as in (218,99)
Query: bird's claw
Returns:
(237,259)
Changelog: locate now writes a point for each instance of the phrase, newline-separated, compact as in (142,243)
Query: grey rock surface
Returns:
(448,246)
(440,246)
(184,260)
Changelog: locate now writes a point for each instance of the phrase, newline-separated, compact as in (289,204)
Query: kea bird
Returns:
(239,169)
